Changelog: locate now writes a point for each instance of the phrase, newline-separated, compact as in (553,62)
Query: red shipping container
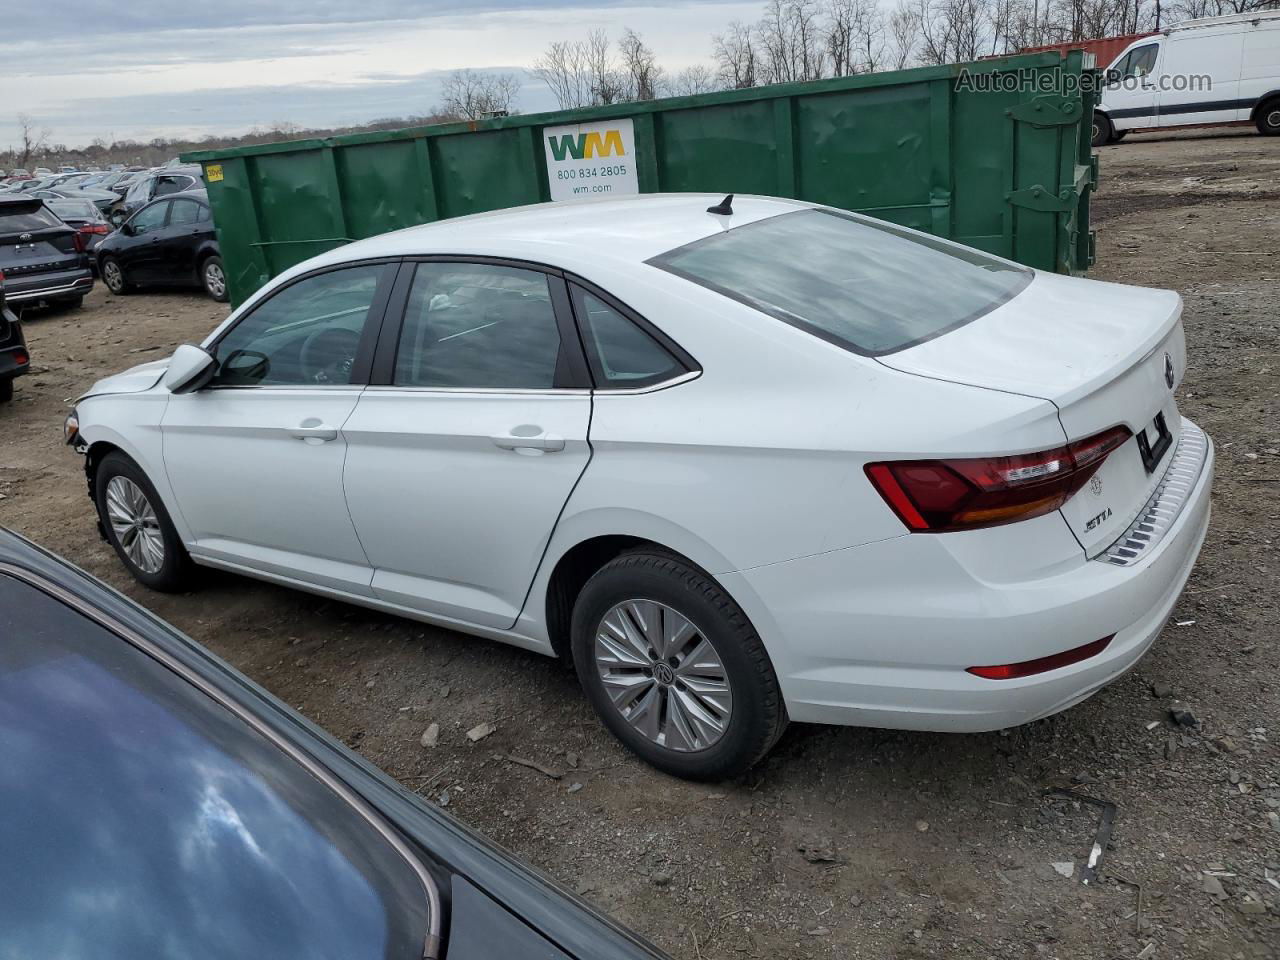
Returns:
(1105,49)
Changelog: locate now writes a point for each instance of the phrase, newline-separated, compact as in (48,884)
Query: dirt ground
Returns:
(926,845)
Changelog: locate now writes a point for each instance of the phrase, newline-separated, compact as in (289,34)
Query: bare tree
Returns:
(644,76)
(563,68)
(607,80)
(951,31)
(736,56)
(32,142)
(854,36)
(790,37)
(692,80)
(470,95)
(904,31)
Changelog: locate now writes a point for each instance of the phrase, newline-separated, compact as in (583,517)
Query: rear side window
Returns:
(185,212)
(39,219)
(861,284)
(479,326)
(622,355)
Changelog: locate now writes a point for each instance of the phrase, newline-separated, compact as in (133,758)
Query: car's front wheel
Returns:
(113,276)
(674,669)
(138,526)
(213,279)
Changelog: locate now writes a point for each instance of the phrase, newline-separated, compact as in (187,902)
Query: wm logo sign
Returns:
(587,145)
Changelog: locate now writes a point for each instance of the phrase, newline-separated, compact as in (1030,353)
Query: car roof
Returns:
(571,234)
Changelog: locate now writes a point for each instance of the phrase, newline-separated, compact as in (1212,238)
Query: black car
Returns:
(14,358)
(85,216)
(42,258)
(169,242)
(156,803)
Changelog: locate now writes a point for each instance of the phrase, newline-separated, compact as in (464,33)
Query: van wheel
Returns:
(138,526)
(674,669)
(1269,118)
(1103,132)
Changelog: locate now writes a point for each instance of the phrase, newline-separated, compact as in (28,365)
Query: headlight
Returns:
(71,427)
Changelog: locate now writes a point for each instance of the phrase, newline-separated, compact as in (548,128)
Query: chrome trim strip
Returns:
(431,947)
(1166,502)
(49,292)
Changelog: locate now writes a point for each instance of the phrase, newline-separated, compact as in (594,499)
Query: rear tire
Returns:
(6,390)
(1103,132)
(113,276)
(718,704)
(1268,119)
(71,303)
(139,527)
(213,279)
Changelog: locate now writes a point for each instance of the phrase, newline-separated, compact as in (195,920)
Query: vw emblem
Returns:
(24,236)
(1096,486)
(1168,371)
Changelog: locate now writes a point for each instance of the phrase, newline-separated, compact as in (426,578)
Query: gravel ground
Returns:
(844,843)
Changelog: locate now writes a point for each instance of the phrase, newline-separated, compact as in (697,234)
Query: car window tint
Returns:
(479,326)
(27,220)
(308,333)
(1142,60)
(622,354)
(142,820)
(149,219)
(184,212)
(865,285)
(168,185)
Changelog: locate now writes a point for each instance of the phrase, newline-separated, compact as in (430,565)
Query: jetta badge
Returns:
(1168,370)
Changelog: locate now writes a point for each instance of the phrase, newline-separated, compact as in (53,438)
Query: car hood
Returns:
(134,380)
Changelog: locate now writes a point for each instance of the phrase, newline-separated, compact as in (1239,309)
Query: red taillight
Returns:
(1011,671)
(100,228)
(933,496)
(81,244)
(20,357)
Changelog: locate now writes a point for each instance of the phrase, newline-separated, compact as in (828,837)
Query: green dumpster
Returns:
(994,154)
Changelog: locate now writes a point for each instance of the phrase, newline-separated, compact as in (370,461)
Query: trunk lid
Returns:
(1105,354)
(34,240)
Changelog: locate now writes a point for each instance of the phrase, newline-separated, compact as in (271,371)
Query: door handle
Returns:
(529,437)
(313,431)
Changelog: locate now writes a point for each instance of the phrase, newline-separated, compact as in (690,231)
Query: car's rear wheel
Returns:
(214,279)
(138,526)
(1269,118)
(674,669)
(113,276)
(6,390)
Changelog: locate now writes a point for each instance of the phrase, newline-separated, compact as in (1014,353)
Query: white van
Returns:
(1209,71)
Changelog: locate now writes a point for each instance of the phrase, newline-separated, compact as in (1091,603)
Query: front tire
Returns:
(674,669)
(213,279)
(1103,132)
(113,276)
(138,526)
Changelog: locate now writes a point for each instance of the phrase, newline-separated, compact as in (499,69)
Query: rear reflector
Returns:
(1011,671)
(20,357)
(933,496)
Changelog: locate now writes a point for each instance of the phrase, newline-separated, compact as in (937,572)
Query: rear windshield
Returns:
(25,220)
(859,283)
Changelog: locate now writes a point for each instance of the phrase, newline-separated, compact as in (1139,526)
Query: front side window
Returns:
(149,219)
(305,335)
(1142,61)
(622,355)
(862,284)
(479,326)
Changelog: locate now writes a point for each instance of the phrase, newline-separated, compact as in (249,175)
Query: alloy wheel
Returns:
(135,524)
(663,676)
(215,280)
(113,276)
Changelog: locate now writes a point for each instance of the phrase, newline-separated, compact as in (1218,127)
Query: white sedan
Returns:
(762,462)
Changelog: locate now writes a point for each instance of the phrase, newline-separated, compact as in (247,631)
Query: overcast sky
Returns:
(141,69)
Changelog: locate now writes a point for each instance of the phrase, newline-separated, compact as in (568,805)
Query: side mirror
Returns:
(190,368)
(1114,77)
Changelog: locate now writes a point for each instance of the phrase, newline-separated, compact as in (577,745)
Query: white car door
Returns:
(470,439)
(255,458)
(1131,102)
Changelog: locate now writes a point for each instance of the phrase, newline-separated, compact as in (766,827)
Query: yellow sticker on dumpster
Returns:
(213,172)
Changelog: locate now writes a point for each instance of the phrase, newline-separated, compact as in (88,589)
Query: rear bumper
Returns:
(880,635)
(49,286)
